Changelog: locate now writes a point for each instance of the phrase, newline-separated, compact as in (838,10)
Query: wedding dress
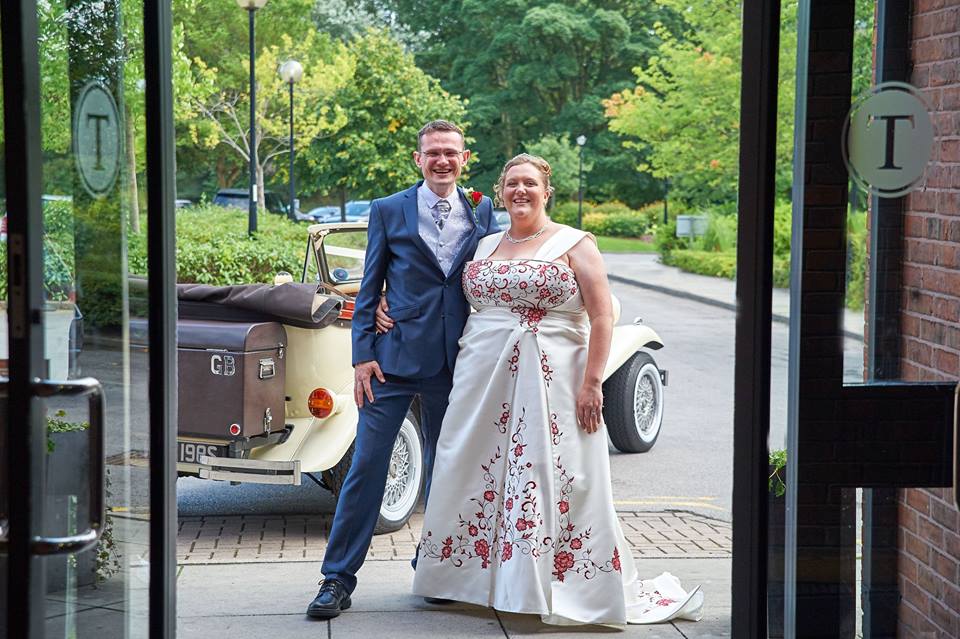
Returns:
(521,515)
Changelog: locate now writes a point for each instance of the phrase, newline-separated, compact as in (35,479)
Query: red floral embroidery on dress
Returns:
(545,368)
(499,527)
(554,430)
(514,359)
(570,551)
(529,288)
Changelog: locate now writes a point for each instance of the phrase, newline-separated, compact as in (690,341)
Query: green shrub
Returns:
(782,228)
(566,212)
(703,262)
(856,259)
(721,234)
(666,240)
(58,253)
(615,224)
(213,247)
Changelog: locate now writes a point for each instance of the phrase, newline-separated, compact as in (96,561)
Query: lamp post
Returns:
(581,140)
(251,6)
(291,71)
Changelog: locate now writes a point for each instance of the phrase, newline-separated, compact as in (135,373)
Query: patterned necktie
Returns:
(440,213)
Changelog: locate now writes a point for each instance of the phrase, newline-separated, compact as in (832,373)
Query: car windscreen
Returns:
(345,252)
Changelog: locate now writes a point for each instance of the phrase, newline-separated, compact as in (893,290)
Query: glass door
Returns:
(84,544)
(872,529)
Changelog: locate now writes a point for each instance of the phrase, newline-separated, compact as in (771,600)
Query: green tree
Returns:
(684,111)
(532,68)
(386,103)
(214,112)
(564,160)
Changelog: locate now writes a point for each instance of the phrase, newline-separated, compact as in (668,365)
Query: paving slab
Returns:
(479,623)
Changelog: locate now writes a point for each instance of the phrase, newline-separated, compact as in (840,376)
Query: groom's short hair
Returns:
(437,125)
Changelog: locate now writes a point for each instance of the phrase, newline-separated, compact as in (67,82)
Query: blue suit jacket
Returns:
(428,308)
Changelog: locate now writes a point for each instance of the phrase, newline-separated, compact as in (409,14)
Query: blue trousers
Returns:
(359,503)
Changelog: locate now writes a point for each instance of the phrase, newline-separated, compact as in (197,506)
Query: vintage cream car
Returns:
(285,387)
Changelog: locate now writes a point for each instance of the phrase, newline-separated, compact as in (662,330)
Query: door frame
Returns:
(23,164)
(841,436)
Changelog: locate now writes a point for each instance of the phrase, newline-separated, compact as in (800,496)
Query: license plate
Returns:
(190,452)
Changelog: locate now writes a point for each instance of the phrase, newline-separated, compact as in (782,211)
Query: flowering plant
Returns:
(473,198)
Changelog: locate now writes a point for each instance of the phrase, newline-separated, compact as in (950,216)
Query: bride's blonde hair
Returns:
(524,158)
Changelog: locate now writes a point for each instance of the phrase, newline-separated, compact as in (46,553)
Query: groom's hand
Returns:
(383,321)
(362,373)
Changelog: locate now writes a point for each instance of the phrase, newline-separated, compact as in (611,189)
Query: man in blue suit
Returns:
(417,243)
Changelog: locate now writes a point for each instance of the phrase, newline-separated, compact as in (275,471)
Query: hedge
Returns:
(611,219)
(213,247)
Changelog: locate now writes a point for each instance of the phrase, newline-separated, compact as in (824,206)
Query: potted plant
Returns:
(776,531)
(67,510)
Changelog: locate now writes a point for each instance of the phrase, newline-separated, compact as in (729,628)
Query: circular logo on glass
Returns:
(888,139)
(96,139)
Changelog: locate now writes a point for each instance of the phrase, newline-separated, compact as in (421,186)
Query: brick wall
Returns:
(929,536)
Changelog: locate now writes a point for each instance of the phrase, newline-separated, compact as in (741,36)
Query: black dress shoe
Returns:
(330,601)
(437,601)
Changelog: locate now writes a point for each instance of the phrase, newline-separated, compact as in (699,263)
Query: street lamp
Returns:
(251,6)
(581,140)
(291,71)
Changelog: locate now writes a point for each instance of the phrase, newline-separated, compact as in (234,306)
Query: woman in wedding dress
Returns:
(521,515)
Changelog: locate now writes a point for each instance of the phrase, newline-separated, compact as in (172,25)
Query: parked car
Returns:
(502,218)
(331,214)
(358,208)
(267,401)
(239,198)
(321,214)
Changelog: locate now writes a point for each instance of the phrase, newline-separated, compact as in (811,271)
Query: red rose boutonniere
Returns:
(473,198)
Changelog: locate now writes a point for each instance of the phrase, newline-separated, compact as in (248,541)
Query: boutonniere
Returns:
(473,198)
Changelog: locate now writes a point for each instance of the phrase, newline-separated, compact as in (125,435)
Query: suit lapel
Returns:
(411,216)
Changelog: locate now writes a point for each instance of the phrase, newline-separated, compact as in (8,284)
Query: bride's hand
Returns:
(589,406)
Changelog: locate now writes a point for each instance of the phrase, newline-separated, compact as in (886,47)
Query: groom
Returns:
(417,242)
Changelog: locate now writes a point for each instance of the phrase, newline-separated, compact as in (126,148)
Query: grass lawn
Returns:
(624,245)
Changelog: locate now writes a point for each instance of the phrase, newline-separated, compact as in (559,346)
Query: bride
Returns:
(521,514)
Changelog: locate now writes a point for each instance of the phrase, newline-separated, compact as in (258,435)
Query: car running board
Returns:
(252,471)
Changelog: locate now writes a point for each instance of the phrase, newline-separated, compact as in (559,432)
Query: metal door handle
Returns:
(956,446)
(86,539)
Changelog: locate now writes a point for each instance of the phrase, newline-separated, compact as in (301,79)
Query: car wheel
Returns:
(405,477)
(633,404)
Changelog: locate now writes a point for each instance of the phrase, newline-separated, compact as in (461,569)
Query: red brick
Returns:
(947,309)
(946,567)
(916,548)
(916,597)
(923,201)
(950,151)
(913,223)
(945,619)
(929,581)
(951,543)
(926,6)
(918,500)
(945,22)
(930,532)
(945,515)
(907,566)
(910,325)
(945,362)
(950,99)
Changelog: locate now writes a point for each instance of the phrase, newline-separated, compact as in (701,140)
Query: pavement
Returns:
(645,271)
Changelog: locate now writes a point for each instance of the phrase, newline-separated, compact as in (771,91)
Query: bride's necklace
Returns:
(521,240)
